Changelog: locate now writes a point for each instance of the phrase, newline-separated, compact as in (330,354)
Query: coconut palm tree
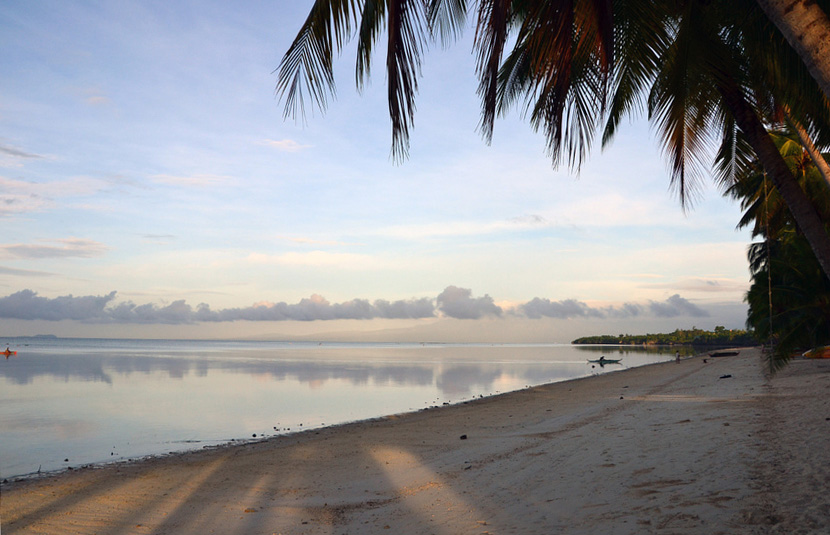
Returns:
(692,57)
(706,82)
(789,298)
(806,26)
(764,209)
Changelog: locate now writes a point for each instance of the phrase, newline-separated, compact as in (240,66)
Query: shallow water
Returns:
(71,402)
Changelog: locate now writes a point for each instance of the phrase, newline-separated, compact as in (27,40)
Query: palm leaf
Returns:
(491,35)
(405,34)
(641,38)
(306,67)
(447,18)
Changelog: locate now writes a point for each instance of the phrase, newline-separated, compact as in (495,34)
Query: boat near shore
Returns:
(822,352)
(724,353)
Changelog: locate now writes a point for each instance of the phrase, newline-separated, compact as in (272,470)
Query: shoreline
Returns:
(663,448)
(241,442)
(404,379)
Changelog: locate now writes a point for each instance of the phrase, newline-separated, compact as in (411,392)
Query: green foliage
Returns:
(721,336)
(789,298)
(791,280)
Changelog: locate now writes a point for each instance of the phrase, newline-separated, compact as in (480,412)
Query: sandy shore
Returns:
(690,448)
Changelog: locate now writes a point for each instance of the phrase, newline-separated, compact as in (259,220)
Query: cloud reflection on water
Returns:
(358,366)
(95,400)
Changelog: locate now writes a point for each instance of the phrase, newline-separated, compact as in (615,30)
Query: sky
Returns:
(150,186)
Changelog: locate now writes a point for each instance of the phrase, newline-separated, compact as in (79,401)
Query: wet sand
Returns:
(696,447)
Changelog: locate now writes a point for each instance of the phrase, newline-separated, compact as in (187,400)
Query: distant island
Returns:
(721,336)
(31,337)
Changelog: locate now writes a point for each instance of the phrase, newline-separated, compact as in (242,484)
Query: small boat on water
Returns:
(603,360)
(9,353)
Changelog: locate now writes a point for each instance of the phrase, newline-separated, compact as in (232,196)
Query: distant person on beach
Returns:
(677,356)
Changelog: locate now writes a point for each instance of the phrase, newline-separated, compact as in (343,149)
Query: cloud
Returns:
(320,259)
(463,228)
(317,307)
(530,221)
(674,306)
(98,100)
(18,153)
(92,96)
(708,285)
(285,145)
(66,248)
(197,180)
(569,308)
(617,210)
(24,272)
(27,305)
(312,241)
(20,196)
(458,303)
(453,302)
(176,313)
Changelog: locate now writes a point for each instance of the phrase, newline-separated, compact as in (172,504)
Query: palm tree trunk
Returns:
(806,27)
(806,142)
(800,206)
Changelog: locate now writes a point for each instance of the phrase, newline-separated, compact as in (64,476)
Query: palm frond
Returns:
(306,68)
(406,39)
(683,102)
(371,25)
(447,18)
(491,36)
(556,68)
(641,38)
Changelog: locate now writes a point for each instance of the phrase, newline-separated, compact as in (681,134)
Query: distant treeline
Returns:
(721,336)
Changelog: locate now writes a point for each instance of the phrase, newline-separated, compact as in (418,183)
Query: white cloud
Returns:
(313,241)
(98,100)
(21,196)
(11,204)
(462,228)
(196,180)
(616,210)
(286,145)
(64,248)
(322,259)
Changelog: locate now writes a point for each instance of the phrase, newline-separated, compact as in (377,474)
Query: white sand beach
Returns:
(706,446)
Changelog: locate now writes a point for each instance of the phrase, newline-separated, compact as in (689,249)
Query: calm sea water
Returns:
(71,402)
